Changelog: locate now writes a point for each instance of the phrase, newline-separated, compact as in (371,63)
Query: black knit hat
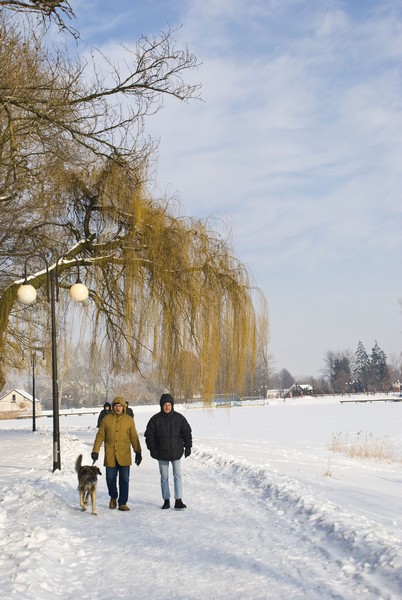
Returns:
(166,398)
(107,404)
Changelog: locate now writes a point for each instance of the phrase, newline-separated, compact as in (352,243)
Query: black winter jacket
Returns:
(167,434)
(103,414)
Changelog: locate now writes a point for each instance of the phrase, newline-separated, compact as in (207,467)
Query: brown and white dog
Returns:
(87,480)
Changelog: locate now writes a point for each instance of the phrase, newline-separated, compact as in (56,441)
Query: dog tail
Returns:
(78,463)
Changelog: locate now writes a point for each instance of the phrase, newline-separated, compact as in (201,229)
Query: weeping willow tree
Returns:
(73,193)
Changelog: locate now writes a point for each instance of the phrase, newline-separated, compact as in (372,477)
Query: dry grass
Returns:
(364,445)
(328,472)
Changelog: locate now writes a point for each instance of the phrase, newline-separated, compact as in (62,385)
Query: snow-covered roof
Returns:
(22,393)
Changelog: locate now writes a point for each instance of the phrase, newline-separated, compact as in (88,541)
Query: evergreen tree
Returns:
(361,371)
(379,374)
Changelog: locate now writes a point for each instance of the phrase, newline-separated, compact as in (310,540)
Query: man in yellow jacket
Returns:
(118,432)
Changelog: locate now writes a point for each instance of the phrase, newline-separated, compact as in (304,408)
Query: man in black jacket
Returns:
(167,435)
(107,409)
(129,411)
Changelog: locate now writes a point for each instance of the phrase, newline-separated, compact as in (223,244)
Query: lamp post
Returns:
(26,294)
(33,364)
(33,361)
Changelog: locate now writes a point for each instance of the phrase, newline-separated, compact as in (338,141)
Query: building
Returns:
(278,393)
(297,390)
(18,403)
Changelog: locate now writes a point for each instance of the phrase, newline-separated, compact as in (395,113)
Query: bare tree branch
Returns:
(52,10)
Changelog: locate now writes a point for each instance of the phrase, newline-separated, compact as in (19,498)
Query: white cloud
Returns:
(298,141)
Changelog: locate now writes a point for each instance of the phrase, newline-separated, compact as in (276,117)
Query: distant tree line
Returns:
(359,372)
(89,384)
(347,372)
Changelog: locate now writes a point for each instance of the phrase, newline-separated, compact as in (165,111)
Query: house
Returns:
(278,393)
(18,403)
(299,389)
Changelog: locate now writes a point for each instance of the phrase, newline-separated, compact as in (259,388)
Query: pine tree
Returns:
(361,371)
(379,374)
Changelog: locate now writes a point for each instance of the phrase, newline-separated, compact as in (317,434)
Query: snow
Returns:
(272,512)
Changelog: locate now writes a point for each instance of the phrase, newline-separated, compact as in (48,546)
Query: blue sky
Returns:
(296,147)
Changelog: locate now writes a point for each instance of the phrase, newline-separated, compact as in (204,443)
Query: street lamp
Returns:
(26,294)
(33,364)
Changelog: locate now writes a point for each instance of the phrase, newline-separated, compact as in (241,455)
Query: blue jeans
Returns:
(111,480)
(164,471)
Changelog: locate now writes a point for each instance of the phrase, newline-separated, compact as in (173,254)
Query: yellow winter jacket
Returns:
(119,433)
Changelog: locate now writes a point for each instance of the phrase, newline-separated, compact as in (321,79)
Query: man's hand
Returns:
(138,458)
(94,456)
(154,454)
(187,452)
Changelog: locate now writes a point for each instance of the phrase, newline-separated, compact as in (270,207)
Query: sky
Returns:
(295,149)
(272,512)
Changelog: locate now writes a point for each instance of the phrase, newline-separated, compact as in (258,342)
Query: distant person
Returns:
(167,435)
(129,411)
(107,407)
(117,431)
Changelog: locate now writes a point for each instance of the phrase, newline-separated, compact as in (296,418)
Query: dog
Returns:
(87,480)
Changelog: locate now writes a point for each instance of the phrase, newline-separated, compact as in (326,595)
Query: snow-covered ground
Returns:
(272,512)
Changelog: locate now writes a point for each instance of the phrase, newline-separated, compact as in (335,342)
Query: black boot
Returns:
(179,504)
(166,504)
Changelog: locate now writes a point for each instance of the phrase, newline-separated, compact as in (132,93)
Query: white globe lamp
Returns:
(26,293)
(79,292)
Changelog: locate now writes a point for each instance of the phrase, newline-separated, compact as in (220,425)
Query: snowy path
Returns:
(248,533)
(312,549)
